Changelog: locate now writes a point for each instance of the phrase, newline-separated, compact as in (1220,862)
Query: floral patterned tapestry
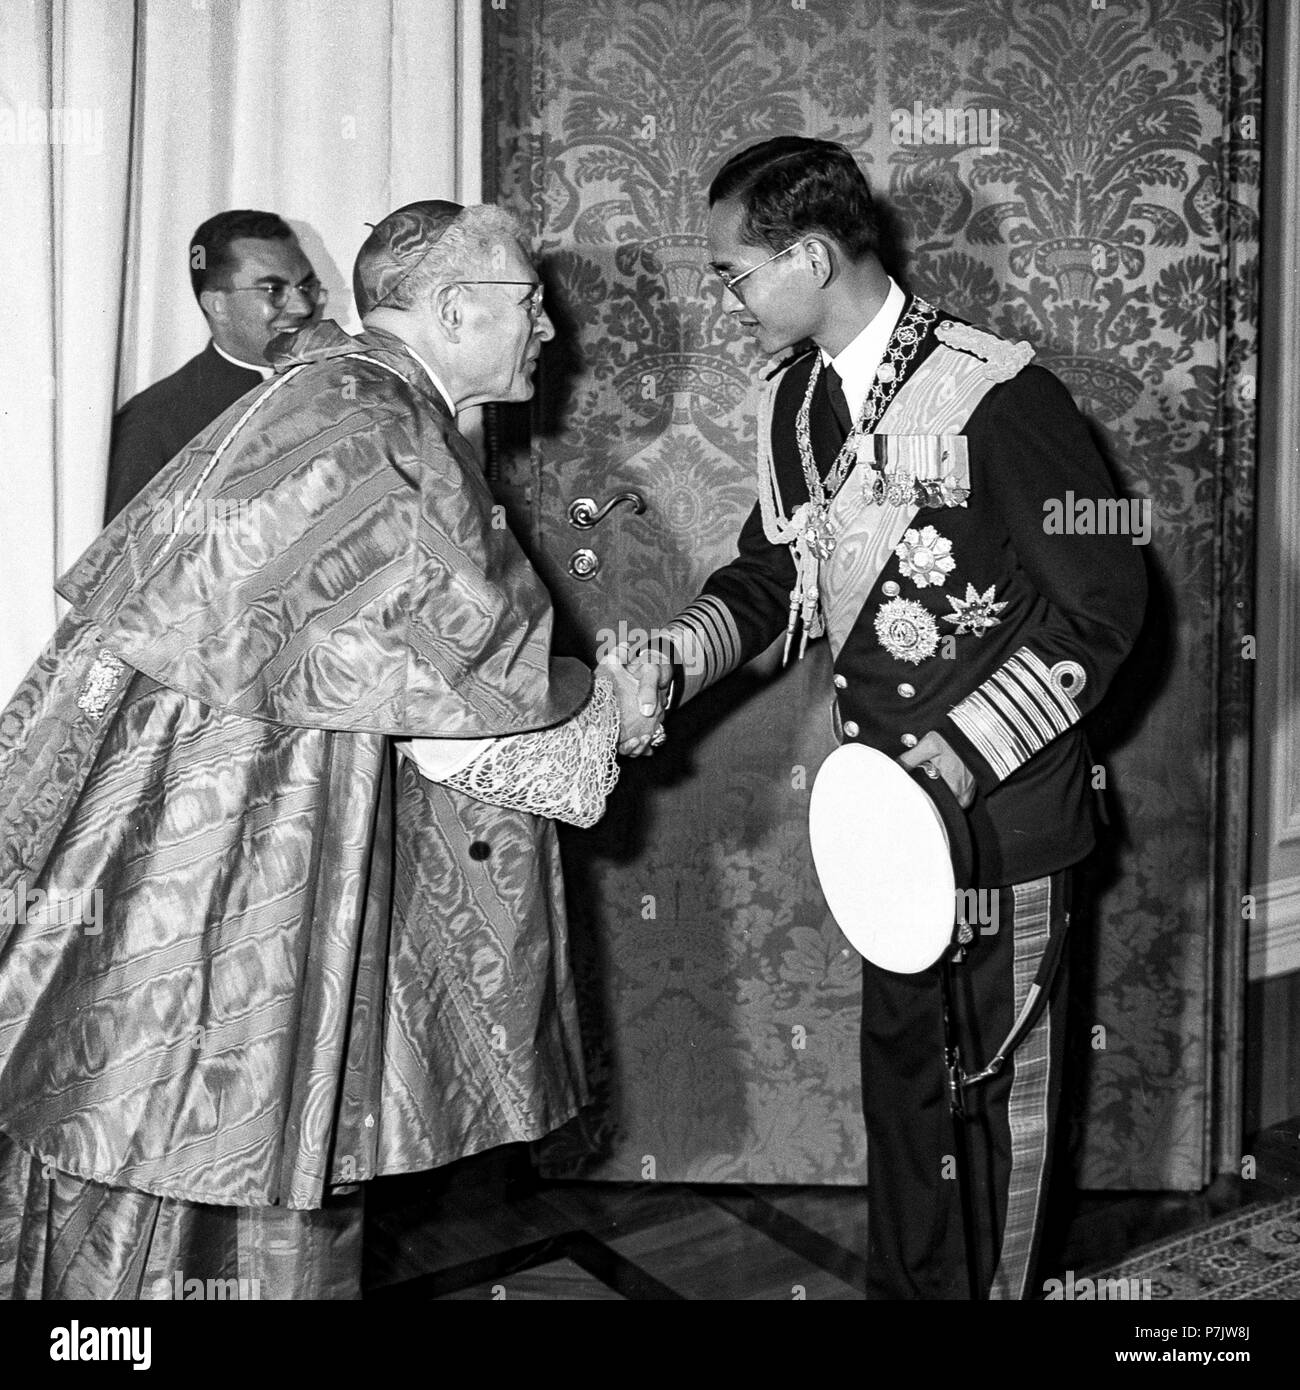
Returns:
(1079,173)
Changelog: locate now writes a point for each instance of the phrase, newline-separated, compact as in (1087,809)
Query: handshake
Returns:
(641,686)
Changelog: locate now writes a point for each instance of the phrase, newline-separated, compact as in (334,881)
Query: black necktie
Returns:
(839,405)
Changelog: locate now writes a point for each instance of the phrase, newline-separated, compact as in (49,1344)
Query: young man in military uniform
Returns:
(908,463)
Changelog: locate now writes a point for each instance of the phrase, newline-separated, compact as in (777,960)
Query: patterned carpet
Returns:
(1252,1254)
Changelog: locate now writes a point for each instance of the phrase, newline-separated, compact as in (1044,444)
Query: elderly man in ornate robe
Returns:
(280,897)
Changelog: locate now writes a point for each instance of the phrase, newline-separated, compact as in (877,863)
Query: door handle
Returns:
(584,513)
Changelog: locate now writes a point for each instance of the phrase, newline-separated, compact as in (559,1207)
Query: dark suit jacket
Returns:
(154,426)
(1069,599)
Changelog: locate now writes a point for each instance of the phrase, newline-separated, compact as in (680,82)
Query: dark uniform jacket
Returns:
(155,425)
(1008,698)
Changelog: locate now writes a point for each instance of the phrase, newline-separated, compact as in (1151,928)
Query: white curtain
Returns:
(123,125)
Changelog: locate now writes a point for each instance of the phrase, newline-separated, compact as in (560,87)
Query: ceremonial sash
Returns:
(917,440)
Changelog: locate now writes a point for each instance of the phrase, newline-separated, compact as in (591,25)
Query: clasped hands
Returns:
(641,688)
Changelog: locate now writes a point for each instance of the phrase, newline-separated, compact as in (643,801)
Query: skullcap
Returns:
(396,246)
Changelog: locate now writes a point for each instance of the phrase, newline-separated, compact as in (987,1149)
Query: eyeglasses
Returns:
(277,292)
(533,302)
(729,281)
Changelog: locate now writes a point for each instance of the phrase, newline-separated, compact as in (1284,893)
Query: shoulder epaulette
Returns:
(1002,359)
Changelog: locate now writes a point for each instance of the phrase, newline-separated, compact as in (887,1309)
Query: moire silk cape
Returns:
(246,954)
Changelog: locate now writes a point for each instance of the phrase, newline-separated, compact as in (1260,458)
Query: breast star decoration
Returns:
(976,612)
(906,631)
(925,557)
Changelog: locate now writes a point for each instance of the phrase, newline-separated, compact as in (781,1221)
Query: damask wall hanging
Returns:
(1099,200)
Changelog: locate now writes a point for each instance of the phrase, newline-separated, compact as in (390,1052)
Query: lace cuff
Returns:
(564,773)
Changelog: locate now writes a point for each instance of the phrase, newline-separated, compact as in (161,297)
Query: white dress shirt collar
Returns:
(265,372)
(858,363)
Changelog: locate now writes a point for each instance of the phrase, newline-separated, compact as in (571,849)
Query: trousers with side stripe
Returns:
(916,1241)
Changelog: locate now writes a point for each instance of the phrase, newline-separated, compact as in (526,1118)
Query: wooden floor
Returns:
(487,1228)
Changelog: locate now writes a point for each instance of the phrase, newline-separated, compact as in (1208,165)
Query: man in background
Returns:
(252,281)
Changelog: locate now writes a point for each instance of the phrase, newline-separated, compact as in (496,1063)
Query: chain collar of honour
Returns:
(808,531)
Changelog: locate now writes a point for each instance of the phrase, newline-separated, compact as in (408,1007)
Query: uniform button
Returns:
(906,691)
(908,740)
(850,729)
(479,849)
(889,589)
(840,681)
